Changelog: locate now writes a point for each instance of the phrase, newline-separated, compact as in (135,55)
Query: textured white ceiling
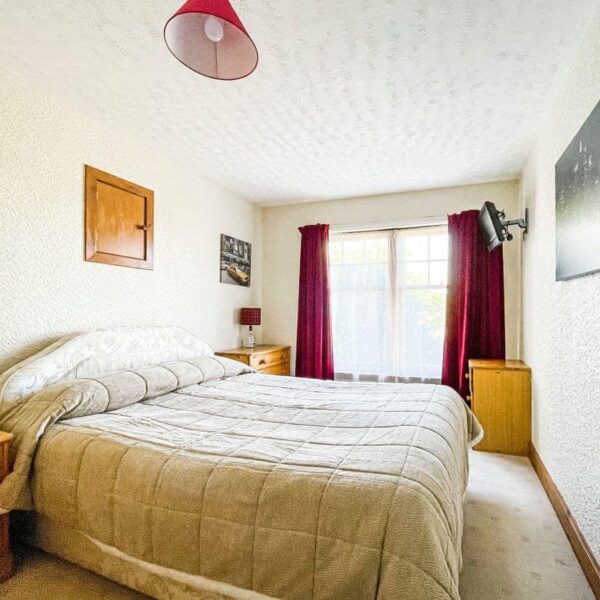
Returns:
(351,97)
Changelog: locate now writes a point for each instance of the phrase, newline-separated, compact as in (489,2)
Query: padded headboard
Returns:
(96,353)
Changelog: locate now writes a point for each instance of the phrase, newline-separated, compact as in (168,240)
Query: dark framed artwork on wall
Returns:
(578,203)
(236,261)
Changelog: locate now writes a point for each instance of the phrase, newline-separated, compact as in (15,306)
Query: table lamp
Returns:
(250,317)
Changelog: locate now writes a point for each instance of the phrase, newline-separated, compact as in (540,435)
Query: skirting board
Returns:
(584,554)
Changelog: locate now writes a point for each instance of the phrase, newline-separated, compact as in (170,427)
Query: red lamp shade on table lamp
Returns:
(251,317)
(208,37)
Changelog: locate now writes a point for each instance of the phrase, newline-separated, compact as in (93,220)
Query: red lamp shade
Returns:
(250,316)
(208,37)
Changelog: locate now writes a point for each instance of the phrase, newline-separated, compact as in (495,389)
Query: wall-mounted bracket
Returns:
(522,223)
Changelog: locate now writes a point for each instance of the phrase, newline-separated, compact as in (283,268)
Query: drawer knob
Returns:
(262,361)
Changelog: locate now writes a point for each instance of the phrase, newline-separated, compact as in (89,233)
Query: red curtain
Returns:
(314,351)
(475,306)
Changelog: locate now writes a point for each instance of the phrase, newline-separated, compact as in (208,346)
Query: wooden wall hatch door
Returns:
(119,218)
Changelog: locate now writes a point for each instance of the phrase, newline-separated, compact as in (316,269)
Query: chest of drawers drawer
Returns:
(266,359)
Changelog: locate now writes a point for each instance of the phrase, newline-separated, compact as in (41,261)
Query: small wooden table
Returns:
(501,400)
(267,359)
(6,562)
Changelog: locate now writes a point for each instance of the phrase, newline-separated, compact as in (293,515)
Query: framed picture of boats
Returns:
(236,261)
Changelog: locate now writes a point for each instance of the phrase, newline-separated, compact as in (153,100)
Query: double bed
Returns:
(142,456)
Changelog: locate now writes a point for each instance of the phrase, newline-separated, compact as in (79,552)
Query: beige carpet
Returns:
(514,547)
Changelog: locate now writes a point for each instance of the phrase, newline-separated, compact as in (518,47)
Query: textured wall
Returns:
(46,288)
(561,320)
(282,244)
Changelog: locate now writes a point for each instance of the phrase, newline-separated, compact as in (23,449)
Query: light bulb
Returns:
(213,28)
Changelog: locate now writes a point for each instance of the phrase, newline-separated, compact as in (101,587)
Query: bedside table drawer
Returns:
(6,563)
(280,369)
(269,359)
(243,358)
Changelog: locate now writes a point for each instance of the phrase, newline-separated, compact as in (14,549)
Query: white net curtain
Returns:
(388,293)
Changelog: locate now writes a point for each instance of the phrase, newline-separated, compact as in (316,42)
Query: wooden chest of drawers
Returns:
(501,401)
(267,359)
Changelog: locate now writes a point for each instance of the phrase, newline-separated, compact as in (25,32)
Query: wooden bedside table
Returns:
(501,400)
(5,553)
(269,360)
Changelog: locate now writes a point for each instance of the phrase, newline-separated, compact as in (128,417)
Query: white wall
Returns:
(282,245)
(561,320)
(46,288)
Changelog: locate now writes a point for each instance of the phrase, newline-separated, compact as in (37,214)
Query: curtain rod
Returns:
(382,225)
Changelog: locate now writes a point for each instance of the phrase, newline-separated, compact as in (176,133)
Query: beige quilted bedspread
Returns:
(293,488)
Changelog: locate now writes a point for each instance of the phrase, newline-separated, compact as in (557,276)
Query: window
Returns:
(389,303)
